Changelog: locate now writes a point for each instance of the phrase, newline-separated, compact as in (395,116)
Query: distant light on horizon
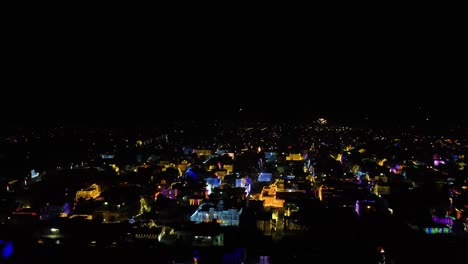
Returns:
(322,121)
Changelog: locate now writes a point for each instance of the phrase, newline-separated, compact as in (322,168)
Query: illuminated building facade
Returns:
(381,189)
(295,157)
(92,192)
(208,213)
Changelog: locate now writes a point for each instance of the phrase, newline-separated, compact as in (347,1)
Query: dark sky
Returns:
(93,76)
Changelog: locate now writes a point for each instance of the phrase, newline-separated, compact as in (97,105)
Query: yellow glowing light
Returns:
(116,169)
(339,157)
(274,215)
(461,165)
(381,162)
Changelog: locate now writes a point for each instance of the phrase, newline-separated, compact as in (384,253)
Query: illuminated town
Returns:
(228,191)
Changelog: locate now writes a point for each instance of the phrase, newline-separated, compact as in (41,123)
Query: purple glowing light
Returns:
(443,220)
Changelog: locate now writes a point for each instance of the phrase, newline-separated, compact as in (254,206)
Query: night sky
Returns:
(92,77)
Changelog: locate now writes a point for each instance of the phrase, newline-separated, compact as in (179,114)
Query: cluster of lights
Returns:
(438,230)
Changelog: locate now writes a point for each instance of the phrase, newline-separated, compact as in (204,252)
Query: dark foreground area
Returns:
(419,252)
(335,238)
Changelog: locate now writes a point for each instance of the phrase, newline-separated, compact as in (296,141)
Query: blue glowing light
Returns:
(7,249)
(189,173)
